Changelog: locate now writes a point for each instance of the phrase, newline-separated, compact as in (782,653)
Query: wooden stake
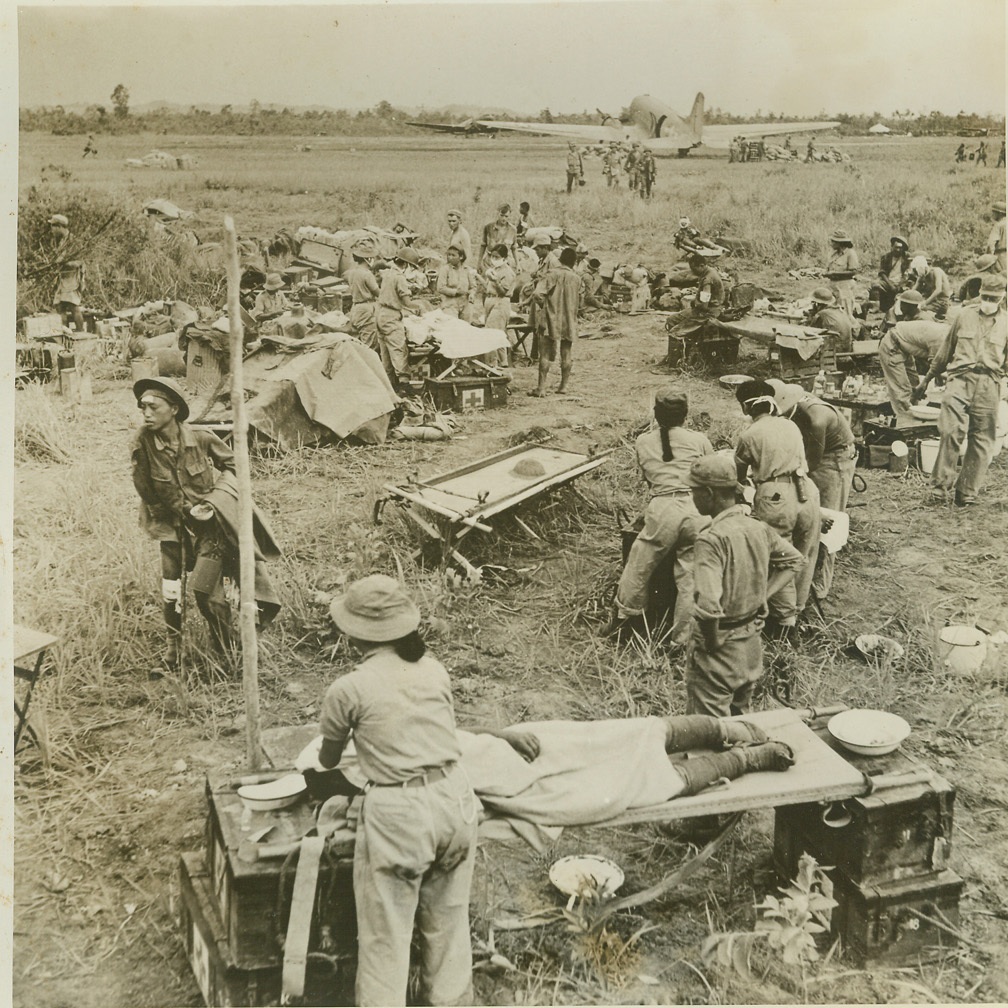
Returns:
(246,542)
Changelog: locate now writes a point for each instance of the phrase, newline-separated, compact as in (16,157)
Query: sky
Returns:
(798,57)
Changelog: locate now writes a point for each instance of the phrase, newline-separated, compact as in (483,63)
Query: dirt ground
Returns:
(98,835)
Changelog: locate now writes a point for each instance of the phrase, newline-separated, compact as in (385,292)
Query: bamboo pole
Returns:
(246,542)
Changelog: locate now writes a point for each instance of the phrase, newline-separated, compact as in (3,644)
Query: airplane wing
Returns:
(721,136)
(569,130)
(445,127)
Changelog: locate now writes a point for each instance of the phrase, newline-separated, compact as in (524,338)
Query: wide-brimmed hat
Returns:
(713,471)
(787,394)
(705,253)
(899,238)
(823,296)
(985,262)
(841,237)
(375,608)
(542,241)
(911,297)
(594,264)
(406,254)
(168,389)
(273,281)
(993,283)
(58,218)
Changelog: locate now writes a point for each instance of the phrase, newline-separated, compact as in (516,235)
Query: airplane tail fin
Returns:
(695,119)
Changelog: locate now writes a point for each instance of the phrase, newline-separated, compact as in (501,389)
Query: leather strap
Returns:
(299,924)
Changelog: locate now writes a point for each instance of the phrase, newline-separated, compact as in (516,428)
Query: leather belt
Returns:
(672,493)
(421,780)
(784,478)
(734,624)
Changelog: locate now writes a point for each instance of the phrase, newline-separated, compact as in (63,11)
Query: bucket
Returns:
(928,453)
(898,457)
(144,367)
(962,649)
(878,456)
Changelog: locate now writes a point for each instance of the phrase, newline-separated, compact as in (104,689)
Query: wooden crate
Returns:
(879,923)
(788,365)
(221,982)
(897,833)
(42,326)
(463,395)
(253,897)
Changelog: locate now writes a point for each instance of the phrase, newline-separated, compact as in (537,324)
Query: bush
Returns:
(125,263)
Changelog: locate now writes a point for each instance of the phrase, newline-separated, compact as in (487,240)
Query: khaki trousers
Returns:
(362,321)
(413,862)
(392,340)
(833,477)
(722,684)
(969,411)
(671,524)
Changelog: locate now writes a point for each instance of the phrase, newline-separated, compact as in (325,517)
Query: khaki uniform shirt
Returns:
(771,446)
(400,713)
(975,340)
(363,284)
(732,558)
(666,477)
(167,480)
(395,291)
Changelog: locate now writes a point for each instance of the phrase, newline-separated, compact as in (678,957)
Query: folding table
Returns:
(30,644)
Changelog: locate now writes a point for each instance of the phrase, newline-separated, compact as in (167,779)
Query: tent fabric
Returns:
(879,128)
(340,387)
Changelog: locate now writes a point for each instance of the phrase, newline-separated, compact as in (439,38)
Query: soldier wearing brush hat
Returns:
(394,300)
(175,466)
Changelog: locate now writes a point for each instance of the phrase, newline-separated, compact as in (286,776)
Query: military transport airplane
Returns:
(665,132)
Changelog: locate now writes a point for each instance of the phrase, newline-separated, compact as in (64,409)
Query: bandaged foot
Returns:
(774,755)
(741,733)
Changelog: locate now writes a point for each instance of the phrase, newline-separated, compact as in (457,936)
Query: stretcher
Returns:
(448,506)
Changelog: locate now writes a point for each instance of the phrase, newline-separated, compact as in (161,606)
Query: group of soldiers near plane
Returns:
(631,161)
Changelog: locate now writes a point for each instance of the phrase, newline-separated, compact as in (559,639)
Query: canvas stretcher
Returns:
(448,506)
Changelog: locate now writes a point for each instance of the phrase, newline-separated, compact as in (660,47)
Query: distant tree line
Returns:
(384,119)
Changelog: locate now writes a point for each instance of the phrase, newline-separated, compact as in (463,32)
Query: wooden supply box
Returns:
(223,983)
(660,609)
(712,351)
(878,923)
(897,833)
(43,326)
(462,395)
(253,897)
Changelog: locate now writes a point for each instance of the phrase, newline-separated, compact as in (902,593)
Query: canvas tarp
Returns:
(338,388)
(454,337)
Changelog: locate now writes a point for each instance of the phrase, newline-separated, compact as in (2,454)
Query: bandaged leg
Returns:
(171,594)
(692,731)
(701,772)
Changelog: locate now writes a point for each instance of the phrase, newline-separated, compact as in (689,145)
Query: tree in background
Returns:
(120,101)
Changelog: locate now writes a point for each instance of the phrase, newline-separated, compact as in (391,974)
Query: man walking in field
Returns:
(1001,156)
(575,166)
(560,290)
(810,150)
(975,358)
(647,172)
